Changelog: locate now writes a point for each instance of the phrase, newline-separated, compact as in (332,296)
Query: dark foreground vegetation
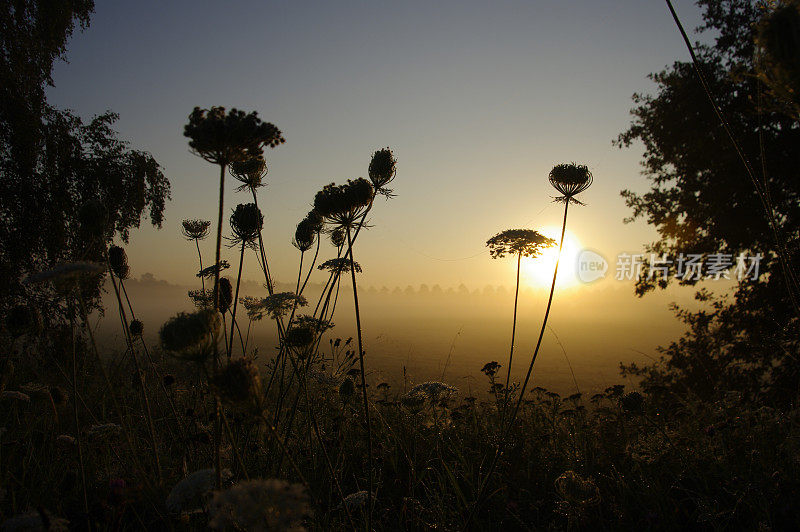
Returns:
(203,431)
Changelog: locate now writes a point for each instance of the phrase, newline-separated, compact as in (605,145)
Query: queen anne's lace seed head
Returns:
(570,179)
(195,229)
(525,242)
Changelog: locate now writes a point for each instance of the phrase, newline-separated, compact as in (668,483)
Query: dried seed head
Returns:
(118,260)
(225,294)
(250,172)
(246,223)
(338,237)
(223,138)
(382,169)
(238,382)
(570,179)
(299,336)
(304,235)
(186,334)
(136,328)
(195,229)
(342,204)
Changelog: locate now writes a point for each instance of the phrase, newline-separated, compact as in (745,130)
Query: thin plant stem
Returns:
(145,400)
(235,301)
(363,378)
(200,256)
(513,336)
(217,406)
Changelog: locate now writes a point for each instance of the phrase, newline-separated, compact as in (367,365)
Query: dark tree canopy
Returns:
(701,201)
(67,187)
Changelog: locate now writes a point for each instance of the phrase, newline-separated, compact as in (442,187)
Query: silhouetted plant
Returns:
(118,261)
(522,243)
(570,180)
(246,223)
(382,169)
(250,172)
(197,230)
(224,138)
(188,335)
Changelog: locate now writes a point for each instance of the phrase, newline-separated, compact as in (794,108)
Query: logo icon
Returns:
(591,266)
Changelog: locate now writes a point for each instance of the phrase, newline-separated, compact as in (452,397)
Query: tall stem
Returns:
(235,301)
(363,377)
(513,335)
(200,256)
(217,407)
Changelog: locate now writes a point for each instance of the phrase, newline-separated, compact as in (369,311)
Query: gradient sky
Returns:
(478,100)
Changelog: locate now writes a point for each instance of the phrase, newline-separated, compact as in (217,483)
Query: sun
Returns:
(538,272)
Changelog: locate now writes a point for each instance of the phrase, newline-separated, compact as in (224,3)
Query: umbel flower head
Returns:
(188,334)
(118,260)
(208,272)
(338,237)
(250,172)
(275,305)
(299,335)
(224,138)
(195,229)
(238,382)
(225,294)
(341,205)
(570,179)
(246,223)
(525,242)
(307,231)
(136,328)
(382,169)
(339,265)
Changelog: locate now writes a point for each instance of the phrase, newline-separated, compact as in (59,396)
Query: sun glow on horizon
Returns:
(538,272)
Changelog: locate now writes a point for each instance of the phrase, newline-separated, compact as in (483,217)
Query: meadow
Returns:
(198,429)
(260,399)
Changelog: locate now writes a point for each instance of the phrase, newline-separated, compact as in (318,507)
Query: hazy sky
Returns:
(478,100)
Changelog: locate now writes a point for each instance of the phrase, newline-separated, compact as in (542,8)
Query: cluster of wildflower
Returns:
(246,223)
(689,266)
(208,273)
(259,504)
(223,138)
(238,382)
(195,229)
(340,265)
(431,391)
(250,172)
(275,305)
(524,242)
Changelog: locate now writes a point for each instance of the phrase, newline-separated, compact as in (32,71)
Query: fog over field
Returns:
(449,333)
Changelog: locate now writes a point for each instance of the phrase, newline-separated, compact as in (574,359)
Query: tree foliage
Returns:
(67,187)
(701,201)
